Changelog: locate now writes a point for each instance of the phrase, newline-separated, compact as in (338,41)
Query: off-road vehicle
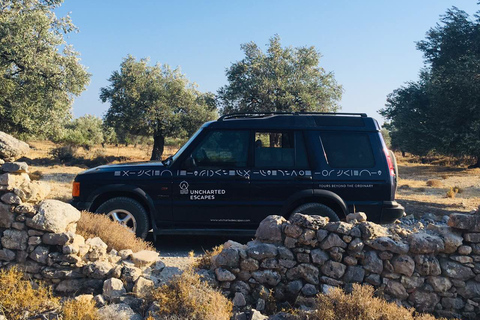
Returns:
(235,171)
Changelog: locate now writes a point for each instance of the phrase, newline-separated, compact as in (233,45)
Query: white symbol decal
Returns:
(361,172)
(117,173)
(157,172)
(355,172)
(294,173)
(202,173)
(301,173)
(281,171)
(125,173)
(274,172)
(308,172)
(243,173)
(218,172)
(147,173)
(327,173)
(379,172)
(231,172)
(183,173)
(166,173)
(183,187)
(195,173)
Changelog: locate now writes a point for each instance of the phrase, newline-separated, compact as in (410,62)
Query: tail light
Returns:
(389,162)
(76,189)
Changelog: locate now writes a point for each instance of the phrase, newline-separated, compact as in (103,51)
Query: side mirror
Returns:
(189,164)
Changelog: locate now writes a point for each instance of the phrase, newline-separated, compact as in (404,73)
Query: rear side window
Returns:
(280,150)
(348,150)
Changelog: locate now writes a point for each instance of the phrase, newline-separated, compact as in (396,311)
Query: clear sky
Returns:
(369,45)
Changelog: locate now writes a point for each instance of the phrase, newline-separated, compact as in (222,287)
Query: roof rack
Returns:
(266,114)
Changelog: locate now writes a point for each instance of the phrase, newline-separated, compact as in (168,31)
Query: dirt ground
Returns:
(414,193)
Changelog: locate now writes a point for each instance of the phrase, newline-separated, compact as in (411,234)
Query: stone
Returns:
(249,264)
(356,245)
(294,287)
(58,239)
(456,270)
(373,279)
(350,261)
(261,251)
(388,244)
(26,208)
(304,271)
(372,262)
(7,255)
(69,286)
(113,288)
(292,230)
(227,258)
(241,286)
(125,253)
(257,315)
(333,269)
(97,248)
(331,281)
(453,303)
(272,278)
(439,284)
(356,217)
(451,237)
(40,254)
(396,289)
(465,222)
(15,167)
(130,274)
(11,198)
(472,237)
(427,265)
(319,256)
(285,254)
(333,240)
(98,269)
(370,230)
(308,238)
(224,275)
(424,301)
(143,287)
(412,282)
(290,242)
(313,222)
(309,290)
(144,258)
(118,311)
(462,259)
(270,229)
(33,191)
(239,300)
(403,264)
(18,225)
(354,274)
(471,290)
(15,239)
(55,216)
(321,234)
(422,243)
(339,227)
(6,216)
(11,181)
(270,263)
(464,250)
(12,148)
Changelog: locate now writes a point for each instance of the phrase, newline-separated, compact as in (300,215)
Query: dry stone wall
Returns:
(436,270)
(39,237)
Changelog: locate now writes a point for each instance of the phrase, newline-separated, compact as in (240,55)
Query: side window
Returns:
(223,149)
(278,150)
(348,150)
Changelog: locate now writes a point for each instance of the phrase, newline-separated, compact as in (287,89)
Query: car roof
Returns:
(297,120)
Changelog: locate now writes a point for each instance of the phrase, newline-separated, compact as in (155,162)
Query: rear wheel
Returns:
(317,209)
(128,212)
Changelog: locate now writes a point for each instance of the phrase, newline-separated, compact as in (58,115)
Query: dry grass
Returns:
(434,183)
(112,233)
(187,297)
(18,296)
(205,261)
(81,309)
(360,304)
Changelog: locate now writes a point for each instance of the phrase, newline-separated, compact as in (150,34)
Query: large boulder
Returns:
(12,148)
(270,229)
(55,216)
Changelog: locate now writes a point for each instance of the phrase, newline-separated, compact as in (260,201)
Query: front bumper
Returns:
(391,211)
(81,205)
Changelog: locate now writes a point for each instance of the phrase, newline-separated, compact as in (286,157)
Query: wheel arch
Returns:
(328,198)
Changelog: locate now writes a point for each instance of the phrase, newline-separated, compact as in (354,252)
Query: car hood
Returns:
(150,168)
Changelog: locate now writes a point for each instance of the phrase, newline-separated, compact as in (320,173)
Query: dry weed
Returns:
(188,297)
(457,189)
(82,309)
(36,175)
(434,183)
(19,296)
(112,233)
(451,193)
(360,304)
(205,261)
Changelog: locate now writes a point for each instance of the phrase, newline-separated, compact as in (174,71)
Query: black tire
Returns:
(395,166)
(128,206)
(317,209)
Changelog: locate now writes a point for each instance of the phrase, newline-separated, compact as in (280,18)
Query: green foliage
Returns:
(154,101)
(282,79)
(40,73)
(85,131)
(441,112)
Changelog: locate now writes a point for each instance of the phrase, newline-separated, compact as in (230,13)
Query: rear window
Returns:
(348,150)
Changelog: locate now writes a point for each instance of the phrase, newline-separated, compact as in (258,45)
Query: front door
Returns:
(213,188)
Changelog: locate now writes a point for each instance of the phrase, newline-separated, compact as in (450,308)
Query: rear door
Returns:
(280,169)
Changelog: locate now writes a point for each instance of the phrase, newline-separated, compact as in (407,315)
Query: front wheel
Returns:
(128,212)
(317,209)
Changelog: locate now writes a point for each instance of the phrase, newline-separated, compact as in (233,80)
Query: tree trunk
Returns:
(158,146)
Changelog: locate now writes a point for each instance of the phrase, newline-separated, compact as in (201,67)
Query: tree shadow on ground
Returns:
(420,208)
(75,161)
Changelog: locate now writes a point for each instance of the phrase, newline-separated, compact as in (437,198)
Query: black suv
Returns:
(235,171)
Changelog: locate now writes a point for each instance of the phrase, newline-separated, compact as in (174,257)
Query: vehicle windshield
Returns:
(185,146)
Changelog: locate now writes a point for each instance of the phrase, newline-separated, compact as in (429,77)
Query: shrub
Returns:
(188,297)
(64,153)
(205,261)
(112,233)
(435,183)
(457,189)
(85,131)
(80,309)
(19,296)
(451,193)
(36,175)
(360,304)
